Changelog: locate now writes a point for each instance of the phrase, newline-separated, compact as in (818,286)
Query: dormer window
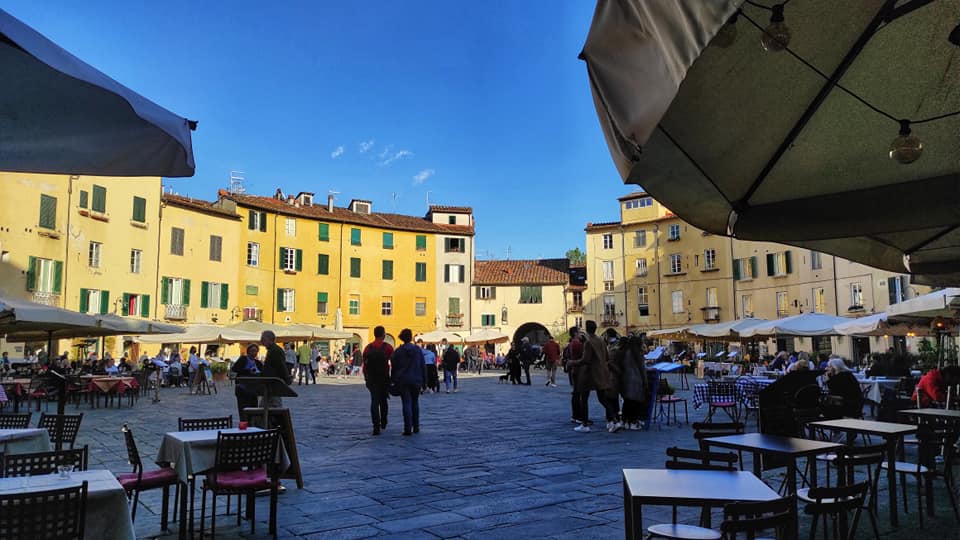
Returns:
(305,199)
(360,207)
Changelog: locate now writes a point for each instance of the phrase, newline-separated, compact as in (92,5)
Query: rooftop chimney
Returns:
(330,203)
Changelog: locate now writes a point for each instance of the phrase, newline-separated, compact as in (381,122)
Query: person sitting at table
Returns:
(195,364)
(109,367)
(247,366)
(842,383)
(932,388)
(779,362)
(799,365)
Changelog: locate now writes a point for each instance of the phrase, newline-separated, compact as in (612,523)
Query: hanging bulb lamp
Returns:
(907,147)
(776,36)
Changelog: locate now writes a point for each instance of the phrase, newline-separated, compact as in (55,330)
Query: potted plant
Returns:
(219,370)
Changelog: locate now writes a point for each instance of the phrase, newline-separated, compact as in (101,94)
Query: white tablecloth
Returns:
(873,388)
(108,514)
(24,441)
(194,452)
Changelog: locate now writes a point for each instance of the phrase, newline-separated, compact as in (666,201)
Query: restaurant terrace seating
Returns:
(750,518)
(15,420)
(68,434)
(37,463)
(55,513)
(141,480)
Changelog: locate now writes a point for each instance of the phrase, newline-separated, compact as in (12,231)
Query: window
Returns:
(783,304)
(709,259)
(323,264)
(387,271)
(251,290)
(216,248)
(676,264)
(323,232)
(84,199)
(290,226)
(135,304)
(421,242)
(486,293)
(674,233)
(640,239)
(176,241)
(819,300)
(577,299)
(609,307)
(93,254)
(744,269)
(454,245)
(175,291)
(388,240)
(642,202)
(253,254)
(139,210)
(856,296)
(354,267)
(676,299)
(214,295)
(136,261)
(643,301)
(711,297)
(354,305)
(421,271)
(746,302)
(608,286)
(44,275)
(252,314)
(285,300)
(897,287)
(608,241)
(488,319)
(779,264)
(452,220)
(94,301)
(291,260)
(531,294)
(99,199)
(386,305)
(453,273)
(815,262)
(354,237)
(48,212)
(420,306)
(453,306)
(257,221)
(641,267)
(607,270)
(322,303)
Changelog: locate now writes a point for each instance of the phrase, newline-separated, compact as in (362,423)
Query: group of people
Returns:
(175,371)
(399,372)
(523,354)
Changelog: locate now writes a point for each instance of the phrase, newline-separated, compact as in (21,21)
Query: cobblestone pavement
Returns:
(492,461)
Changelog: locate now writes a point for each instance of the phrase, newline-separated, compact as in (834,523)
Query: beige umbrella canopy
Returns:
(318,332)
(487,336)
(204,333)
(436,336)
(297,332)
(679,332)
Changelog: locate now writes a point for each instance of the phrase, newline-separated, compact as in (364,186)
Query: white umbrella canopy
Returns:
(318,332)
(203,333)
(19,317)
(880,324)
(738,140)
(942,303)
(806,324)
(730,329)
(679,332)
(60,115)
(486,336)
(281,331)
(436,336)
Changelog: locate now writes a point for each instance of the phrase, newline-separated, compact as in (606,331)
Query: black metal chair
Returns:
(56,513)
(837,502)
(71,427)
(847,461)
(700,460)
(722,396)
(704,430)
(37,463)
(140,480)
(750,518)
(15,420)
(200,424)
(933,440)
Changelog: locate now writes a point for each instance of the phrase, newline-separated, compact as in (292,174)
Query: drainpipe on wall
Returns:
(623,266)
(836,289)
(273,295)
(656,259)
(66,255)
(733,281)
(340,264)
(156,274)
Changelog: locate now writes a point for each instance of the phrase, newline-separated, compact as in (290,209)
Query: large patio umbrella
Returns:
(679,332)
(881,324)
(792,146)
(436,336)
(60,115)
(944,303)
(806,324)
(281,331)
(487,336)
(725,330)
(318,332)
(203,333)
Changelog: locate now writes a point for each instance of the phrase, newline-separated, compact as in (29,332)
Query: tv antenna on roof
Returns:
(508,253)
(395,197)
(236,182)
(428,200)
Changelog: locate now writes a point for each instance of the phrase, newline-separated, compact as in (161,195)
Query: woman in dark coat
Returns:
(247,366)
(842,383)
(406,373)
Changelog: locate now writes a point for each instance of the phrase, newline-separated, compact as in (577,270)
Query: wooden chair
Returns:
(722,396)
(15,420)
(71,427)
(245,464)
(201,424)
(834,502)
(140,480)
(750,518)
(38,463)
(56,513)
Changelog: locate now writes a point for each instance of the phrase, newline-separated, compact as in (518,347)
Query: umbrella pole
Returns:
(61,392)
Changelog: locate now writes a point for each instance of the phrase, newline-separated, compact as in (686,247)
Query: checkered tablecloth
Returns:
(747,390)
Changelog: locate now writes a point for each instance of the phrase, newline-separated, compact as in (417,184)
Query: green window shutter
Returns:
(31,273)
(322,297)
(323,264)
(421,270)
(355,237)
(421,242)
(493,293)
(224,296)
(283,257)
(144,305)
(736,269)
(463,273)
(165,290)
(753,267)
(538,295)
(125,308)
(186,292)
(84,198)
(139,209)
(204,294)
(446,273)
(250,217)
(324,232)
(788,256)
(48,212)
(354,267)
(57,276)
(387,269)
(770,264)
(387,240)
(104,302)
(263,222)
(99,199)
(892,290)
(299,260)
(279,299)
(454,305)
(84,301)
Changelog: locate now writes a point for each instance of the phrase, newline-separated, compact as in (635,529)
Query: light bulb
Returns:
(776,36)
(727,33)
(906,148)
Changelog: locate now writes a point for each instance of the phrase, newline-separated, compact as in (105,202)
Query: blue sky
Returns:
(478,103)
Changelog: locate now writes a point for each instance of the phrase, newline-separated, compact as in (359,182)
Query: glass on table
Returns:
(65,470)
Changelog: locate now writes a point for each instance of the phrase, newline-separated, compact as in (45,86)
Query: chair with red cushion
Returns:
(245,463)
(722,396)
(141,480)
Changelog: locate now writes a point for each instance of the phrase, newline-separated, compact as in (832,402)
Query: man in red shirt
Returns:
(933,385)
(551,350)
(376,373)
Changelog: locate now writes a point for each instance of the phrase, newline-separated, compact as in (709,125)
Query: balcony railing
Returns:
(609,321)
(175,312)
(711,313)
(454,320)
(252,314)
(46,298)
(575,309)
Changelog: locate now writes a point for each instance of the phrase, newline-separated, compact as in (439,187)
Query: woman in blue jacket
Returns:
(406,373)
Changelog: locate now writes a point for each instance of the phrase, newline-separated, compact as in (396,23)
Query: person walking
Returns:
(314,362)
(451,362)
(407,374)
(528,355)
(376,374)
(470,357)
(513,363)
(304,354)
(274,365)
(430,383)
(573,360)
(594,376)
(551,350)
(633,382)
(290,358)
(246,366)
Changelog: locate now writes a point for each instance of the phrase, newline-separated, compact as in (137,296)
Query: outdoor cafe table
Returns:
(873,387)
(106,384)
(24,441)
(950,414)
(108,512)
(193,453)
(892,433)
(685,488)
(790,448)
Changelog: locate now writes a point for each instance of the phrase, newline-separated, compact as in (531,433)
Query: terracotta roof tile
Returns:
(532,272)
(602,225)
(634,195)
(197,204)
(382,220)
(454,209)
